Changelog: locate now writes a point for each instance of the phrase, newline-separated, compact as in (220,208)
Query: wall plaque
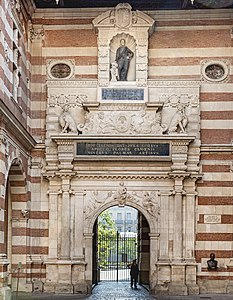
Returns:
(122,94)
(123,149)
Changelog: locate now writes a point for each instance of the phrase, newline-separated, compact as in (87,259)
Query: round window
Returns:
(214,72)
(60,70)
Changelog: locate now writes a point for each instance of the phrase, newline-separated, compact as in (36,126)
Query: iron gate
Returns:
(115,253)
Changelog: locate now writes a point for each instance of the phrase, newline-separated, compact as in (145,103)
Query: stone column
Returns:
(78,226)
(65,218)
(154,248)
(178,227)
(189,235)
(88,241)
(164,231)
(53,228)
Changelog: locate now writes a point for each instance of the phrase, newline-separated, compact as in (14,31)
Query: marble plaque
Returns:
(123,149)
(122,94)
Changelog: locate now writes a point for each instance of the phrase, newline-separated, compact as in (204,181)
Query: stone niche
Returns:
(132,26)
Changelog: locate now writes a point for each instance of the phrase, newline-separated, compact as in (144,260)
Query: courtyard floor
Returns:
(118,291)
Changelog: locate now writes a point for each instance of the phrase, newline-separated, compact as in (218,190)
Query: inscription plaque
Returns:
(123,149)
(122,94)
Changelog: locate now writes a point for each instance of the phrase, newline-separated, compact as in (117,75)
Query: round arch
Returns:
(16,218)
(92,219)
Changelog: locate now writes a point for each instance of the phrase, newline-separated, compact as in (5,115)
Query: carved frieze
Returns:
(148,200)
(72,100)
(123,122)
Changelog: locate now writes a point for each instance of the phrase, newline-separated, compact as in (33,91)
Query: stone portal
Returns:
(129,142)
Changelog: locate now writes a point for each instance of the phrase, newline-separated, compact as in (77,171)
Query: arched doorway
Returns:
(16,228)
(120,234)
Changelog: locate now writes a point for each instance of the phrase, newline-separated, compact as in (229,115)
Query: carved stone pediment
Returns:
(116,25)
(123,17)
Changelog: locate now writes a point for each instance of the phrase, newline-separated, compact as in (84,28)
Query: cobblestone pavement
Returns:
(119,291)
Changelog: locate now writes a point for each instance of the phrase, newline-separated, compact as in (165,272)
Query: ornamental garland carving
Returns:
(149,200)
(122,122)
(72,99)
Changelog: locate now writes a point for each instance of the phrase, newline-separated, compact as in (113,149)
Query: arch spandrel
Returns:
(148,203)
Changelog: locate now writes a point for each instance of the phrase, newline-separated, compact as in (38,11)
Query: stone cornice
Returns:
(217,148)
(71,83)
(157,15)
(13,124)
(180,138)
(174,83)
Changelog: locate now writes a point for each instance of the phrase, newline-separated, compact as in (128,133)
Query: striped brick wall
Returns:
(176,51)
(177,48)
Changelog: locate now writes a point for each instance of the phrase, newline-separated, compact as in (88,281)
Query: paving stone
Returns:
(118,291)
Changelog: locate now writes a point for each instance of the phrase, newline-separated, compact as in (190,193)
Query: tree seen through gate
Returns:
(116,250)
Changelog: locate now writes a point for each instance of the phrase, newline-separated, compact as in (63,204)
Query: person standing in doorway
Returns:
(123,57)
(134,271)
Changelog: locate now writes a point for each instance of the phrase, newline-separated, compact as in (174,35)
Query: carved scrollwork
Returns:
(150,202)
(119,122)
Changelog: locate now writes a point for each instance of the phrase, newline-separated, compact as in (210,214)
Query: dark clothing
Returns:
(123,56)
(134,271)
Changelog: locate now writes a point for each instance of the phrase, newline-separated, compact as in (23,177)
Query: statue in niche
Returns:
(114,71)
(67,122)
(212,263)
(123,57)
(179,121)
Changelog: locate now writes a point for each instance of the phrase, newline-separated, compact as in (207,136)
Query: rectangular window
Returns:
(119,216)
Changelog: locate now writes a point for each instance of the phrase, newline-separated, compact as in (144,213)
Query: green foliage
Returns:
(107,232)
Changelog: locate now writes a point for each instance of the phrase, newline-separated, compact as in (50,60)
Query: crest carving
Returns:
(123,15)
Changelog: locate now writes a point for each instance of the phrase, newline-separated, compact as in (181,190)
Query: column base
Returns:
(178,289)
(193,289)
(5,293)
(64,288)
(37,286)
(160,289)
(230,287)
(49,287)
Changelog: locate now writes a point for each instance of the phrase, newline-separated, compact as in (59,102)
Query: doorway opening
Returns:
(121,234)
